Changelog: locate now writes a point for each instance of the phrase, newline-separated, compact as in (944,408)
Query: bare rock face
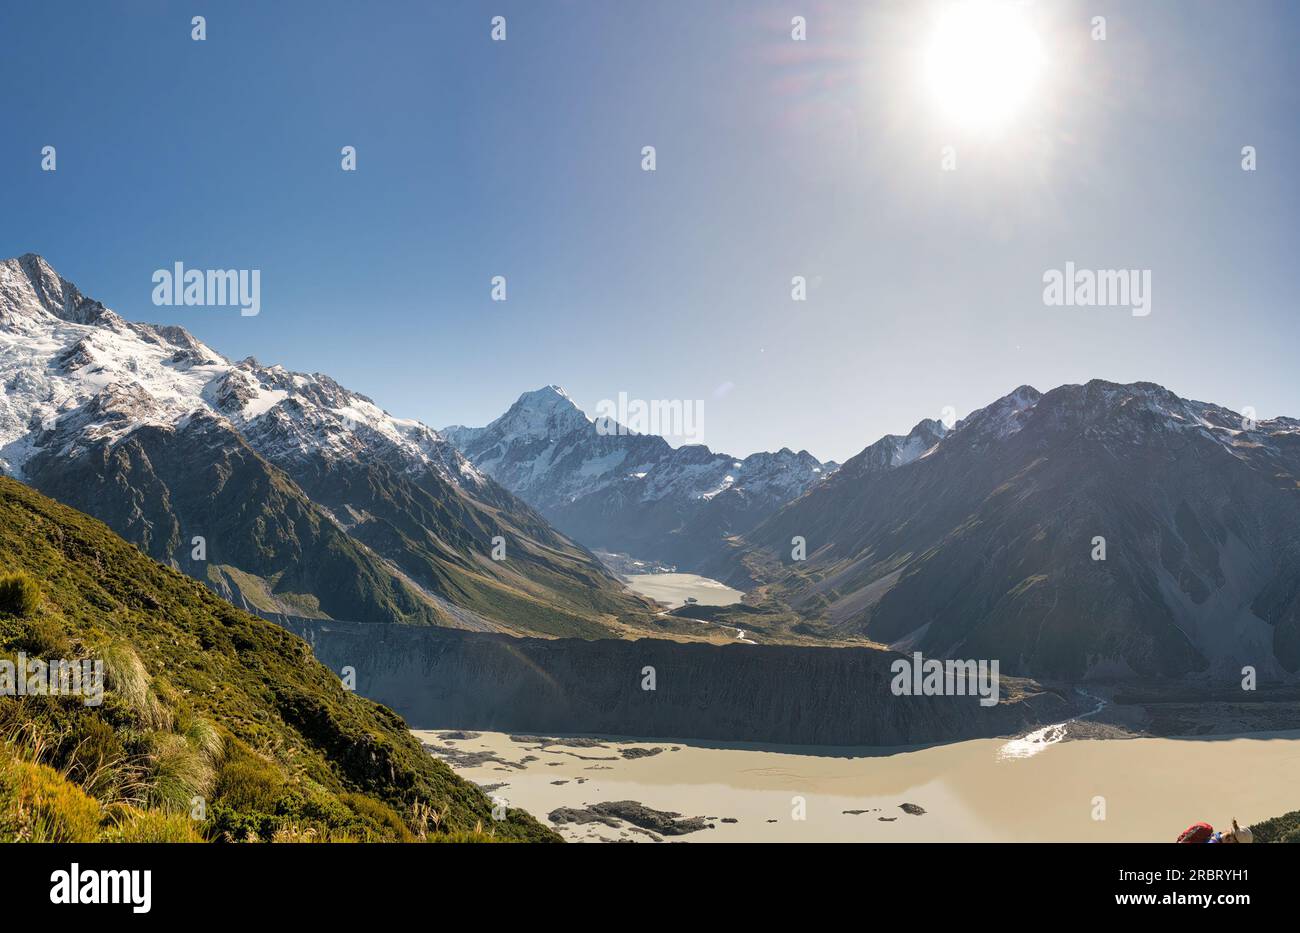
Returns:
(759,693)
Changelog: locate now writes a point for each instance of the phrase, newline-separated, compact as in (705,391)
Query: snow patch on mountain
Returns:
(546,449)
(74,374)
(1100,409)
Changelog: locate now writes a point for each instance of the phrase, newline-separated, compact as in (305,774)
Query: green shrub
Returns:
(20,594)
(247,784)
(309,803)
(44,637)
(384,817)
(466,836)
(1285,828)
(38,805)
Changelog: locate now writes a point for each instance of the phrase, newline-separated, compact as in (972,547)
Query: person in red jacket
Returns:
(1204,832)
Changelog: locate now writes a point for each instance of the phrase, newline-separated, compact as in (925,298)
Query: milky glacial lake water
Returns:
(1149,789)
(674,588)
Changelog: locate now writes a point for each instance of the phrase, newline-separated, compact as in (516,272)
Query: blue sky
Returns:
(775,159)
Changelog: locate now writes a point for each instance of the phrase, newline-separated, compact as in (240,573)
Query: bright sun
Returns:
(982,63)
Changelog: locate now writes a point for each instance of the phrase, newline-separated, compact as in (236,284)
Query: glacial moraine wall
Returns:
(436,677)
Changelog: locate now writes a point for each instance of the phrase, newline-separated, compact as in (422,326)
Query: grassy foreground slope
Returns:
(214,725)
(1285,828)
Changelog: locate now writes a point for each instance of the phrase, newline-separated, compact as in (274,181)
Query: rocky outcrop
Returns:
(758,693)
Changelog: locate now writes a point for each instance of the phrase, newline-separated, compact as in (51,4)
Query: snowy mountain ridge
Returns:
(546,449)
(311,500)
(612,488)
(75,373)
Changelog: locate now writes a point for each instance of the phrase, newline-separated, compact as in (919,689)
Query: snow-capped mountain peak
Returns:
(30,287)
(74,374)
(631,492)
(544,412)
(310,499)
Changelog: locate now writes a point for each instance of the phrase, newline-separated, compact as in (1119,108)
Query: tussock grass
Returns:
(202,736)
(126,675)
(20,594)
(201,700)
(178,772)
(94,756)
(153,826)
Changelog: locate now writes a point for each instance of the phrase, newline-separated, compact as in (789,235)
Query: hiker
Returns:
(1204,832)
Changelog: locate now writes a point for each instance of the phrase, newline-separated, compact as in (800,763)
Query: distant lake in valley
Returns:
(675,588)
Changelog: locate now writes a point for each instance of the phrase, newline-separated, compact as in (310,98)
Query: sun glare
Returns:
(982,63)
